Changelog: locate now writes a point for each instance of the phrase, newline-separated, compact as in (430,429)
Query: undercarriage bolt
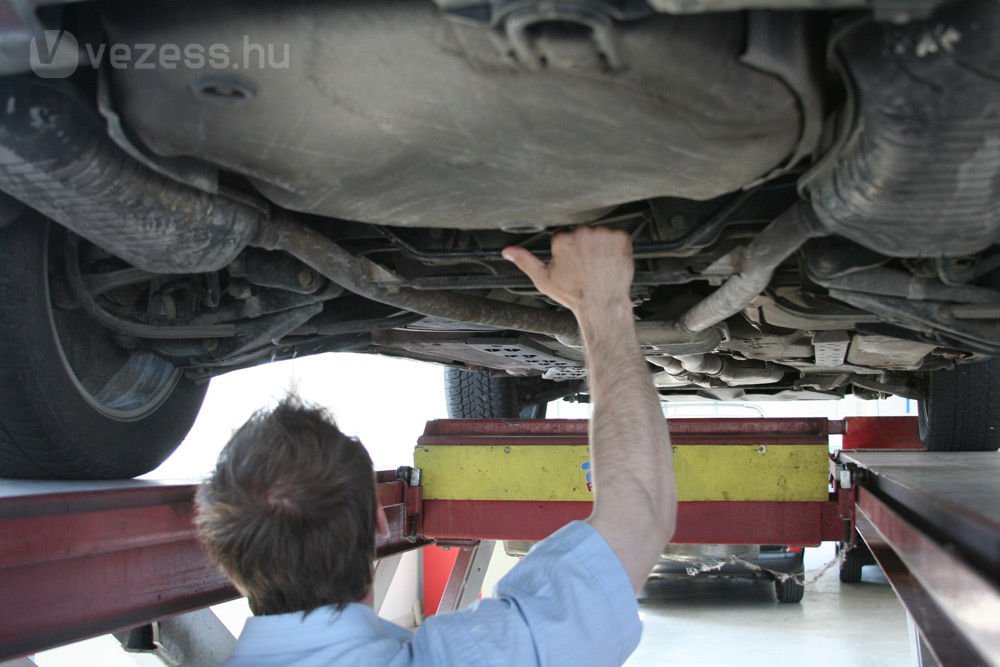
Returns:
(307,278)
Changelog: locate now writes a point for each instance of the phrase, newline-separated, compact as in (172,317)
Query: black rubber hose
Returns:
(56,157)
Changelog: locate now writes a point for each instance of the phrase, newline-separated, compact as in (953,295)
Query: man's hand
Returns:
(634,497)
(591,269)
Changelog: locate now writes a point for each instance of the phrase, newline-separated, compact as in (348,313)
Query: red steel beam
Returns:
(881,433)
(81,561)
(708,522)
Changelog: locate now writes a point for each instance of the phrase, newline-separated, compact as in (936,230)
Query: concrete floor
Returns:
(709,622)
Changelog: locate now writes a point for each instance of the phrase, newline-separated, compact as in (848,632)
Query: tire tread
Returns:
(963,410)
(478,395)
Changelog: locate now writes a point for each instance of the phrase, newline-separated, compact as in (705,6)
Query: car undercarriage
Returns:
(813,194)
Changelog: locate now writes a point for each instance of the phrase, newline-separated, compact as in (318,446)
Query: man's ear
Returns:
(381,522)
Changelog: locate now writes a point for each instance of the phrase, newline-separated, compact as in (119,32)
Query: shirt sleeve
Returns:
(569,602)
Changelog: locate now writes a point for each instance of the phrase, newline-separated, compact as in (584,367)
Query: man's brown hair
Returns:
(289,511)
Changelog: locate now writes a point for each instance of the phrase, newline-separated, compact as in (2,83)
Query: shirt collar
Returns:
(323,626)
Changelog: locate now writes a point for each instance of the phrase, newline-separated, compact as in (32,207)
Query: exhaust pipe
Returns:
(56,157)
(776,243)
(366,278)
(732,372)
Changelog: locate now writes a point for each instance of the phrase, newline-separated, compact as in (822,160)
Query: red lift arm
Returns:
(84,559)
(78,560)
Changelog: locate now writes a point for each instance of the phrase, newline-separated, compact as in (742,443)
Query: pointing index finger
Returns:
(525,260)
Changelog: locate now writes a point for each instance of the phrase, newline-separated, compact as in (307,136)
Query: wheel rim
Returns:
(130,387)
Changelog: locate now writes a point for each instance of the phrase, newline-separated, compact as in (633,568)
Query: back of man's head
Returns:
(289,511)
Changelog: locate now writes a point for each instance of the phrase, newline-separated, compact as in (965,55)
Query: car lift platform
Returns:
(83,559)
(932,522)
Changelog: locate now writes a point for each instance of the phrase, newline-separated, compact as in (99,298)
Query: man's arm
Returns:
(634,495)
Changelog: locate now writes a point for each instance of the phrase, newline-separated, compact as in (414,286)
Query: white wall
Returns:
(384,402)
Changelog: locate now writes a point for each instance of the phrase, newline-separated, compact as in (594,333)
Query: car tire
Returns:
(962,410)
(73,403)
(853,564)
(480,395)
(791,591)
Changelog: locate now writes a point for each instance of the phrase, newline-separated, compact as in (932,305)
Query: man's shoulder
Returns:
(569,601)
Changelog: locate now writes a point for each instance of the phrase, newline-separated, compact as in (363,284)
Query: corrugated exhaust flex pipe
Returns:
(56,157)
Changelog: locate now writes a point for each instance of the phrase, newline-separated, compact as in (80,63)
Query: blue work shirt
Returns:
(568,602)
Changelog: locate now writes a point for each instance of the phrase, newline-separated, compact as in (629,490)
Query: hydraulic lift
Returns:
(79,560)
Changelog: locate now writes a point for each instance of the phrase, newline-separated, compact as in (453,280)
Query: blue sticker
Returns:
(585,466)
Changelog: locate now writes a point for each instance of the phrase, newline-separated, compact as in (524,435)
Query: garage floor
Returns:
(729,622)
